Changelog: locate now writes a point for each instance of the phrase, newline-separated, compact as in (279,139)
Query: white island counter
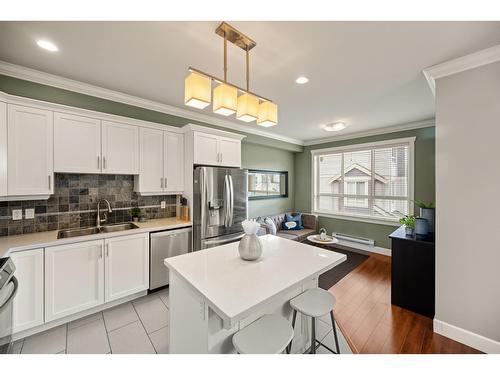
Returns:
(214,293)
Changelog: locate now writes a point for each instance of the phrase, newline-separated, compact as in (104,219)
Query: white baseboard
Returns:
(469,338)
(365,248)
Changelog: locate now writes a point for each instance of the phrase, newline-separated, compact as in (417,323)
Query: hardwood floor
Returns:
(372,325)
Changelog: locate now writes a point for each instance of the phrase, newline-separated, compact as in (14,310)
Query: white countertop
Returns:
(43,239)
(233,287)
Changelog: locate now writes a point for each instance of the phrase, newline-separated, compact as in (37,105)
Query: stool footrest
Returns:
(318,344)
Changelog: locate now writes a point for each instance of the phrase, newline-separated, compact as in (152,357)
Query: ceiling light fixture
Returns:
(248,106)
(335,126)
(301,80)
(45,44)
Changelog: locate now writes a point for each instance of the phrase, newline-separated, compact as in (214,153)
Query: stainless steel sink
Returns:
(68,233)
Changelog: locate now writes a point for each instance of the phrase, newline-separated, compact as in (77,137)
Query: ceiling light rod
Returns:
(220,80)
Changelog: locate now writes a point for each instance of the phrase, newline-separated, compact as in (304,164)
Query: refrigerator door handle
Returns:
(203,203)
(224,240)
(231,192)
(227,198)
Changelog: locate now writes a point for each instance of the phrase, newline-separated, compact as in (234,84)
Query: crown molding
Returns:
(368,133)
(44,78)
(474,60)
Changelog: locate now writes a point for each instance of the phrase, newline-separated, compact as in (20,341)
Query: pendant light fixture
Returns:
(248,106)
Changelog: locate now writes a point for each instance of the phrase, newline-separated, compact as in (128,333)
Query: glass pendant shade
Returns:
(197,90)
(268,114)
(225,99)
(248,108)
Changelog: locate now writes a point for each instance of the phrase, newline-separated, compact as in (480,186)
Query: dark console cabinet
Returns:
(413,272)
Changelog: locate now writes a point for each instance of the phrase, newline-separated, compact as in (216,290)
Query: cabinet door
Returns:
(126,266)
(28,303)
(151,161)
(30,151)
(77,144)
(120,148)
(230,152)
(3,149)
(74,278)
(174,162)
(205,149)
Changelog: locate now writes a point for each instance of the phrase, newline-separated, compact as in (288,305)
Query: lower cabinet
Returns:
(126,269)
(28,303)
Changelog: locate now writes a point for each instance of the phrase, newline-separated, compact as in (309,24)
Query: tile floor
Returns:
(137,327)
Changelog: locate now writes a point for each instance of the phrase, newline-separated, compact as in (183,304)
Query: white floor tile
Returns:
(85,320)
(17,346)
(120,316)
(160,340)
(131,339)
(152,312)
(90,338)
(164,296)
(52,341)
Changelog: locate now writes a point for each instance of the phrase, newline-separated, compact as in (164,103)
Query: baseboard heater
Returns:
(347,237)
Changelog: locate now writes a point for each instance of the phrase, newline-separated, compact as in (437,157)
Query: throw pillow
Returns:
(297,219)
(271,227)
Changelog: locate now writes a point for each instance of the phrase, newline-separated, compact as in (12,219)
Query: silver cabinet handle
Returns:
(104,162)
(49,182)
(165,183)
(107,250)
(100,253)
(221,157)
(98,162)
(161,182)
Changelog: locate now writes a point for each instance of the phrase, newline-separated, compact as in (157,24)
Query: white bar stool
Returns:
(269,334)
(314,303)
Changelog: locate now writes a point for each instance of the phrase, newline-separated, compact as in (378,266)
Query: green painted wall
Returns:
(424,182)
(261,157)
(257,152)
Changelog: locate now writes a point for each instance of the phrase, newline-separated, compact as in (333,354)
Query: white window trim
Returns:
(408,141)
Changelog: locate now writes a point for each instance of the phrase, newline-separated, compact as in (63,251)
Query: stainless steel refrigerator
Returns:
(220,204)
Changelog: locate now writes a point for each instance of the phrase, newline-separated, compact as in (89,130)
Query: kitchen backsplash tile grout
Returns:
(74,204)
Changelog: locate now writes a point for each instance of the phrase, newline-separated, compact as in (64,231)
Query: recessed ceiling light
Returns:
(302,80)
(45,44)
(335,126)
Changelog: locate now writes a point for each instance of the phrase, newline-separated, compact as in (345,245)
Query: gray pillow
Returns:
(270,226)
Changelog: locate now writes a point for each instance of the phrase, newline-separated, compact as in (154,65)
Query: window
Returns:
(267,184)
(368,182)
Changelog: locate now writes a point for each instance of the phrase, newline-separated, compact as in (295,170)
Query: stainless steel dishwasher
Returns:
(166,244)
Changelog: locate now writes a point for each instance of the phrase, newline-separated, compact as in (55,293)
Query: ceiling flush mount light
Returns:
(301,80)
(248,106)
(45,44)
(335,126)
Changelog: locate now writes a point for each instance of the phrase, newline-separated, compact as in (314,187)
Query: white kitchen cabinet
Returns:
(126,266)
(77,144)
(29,300)
(173,162)
(120,148)
(30,167)
(150,179)
(3,149)
(74,278)
(213,149)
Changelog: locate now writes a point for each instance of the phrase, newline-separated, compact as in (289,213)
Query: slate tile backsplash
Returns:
(74,204)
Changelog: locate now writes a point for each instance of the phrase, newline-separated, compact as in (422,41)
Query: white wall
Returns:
(468,207)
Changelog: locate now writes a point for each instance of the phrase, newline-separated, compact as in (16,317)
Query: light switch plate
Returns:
(163,204)
(29,213)
(17,214)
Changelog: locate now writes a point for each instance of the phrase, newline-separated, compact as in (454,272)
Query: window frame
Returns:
(267,171)
(408,141)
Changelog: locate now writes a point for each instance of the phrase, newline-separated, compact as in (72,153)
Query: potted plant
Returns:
(427,211)
(409,222)
(135,212)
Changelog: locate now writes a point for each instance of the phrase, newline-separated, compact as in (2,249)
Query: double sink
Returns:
(69,233)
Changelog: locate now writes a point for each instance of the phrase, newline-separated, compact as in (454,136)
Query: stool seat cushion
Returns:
(314,302)
(268,335)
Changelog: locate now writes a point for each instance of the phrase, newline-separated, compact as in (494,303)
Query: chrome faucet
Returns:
(99,221)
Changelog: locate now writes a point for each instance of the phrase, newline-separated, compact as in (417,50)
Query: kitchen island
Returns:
(214,293)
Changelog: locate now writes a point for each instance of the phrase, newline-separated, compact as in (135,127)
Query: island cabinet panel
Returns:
(77,144)
(126,266)
(120,148)
(29,300)
(30,164)
(74,278)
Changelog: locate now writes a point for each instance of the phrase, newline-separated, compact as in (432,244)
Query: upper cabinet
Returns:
(161,161)
(230,152)
(3,149)
(77,133)
(214,149)
(30,169)
(120,148)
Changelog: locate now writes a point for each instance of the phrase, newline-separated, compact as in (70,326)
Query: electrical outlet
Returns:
(17,214)
(163,204)
(29,213)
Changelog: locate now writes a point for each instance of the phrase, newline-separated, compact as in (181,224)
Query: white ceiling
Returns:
(368,74)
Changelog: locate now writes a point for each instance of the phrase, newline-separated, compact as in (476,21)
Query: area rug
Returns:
(333,276)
